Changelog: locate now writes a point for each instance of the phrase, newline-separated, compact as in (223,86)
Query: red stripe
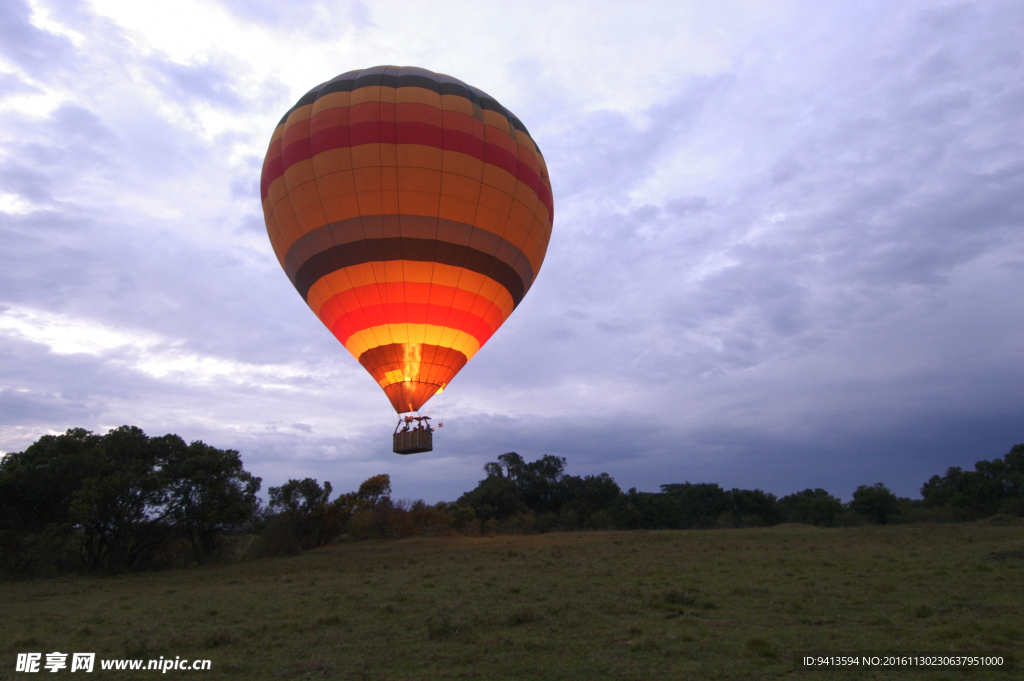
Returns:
(343,135)
(463,143)
(545,198)
(295,145)
(410,132)
(531,179)
(370,132)
(295,152)
(272,169)
(502,158)
(372,111)
(416,132)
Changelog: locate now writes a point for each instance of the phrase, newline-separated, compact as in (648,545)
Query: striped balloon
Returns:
(412,212)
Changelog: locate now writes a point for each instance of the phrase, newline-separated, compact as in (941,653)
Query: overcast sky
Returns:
(788,246)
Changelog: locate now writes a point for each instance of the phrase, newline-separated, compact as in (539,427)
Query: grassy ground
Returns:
(729,604)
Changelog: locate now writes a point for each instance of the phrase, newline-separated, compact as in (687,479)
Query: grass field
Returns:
(717,604)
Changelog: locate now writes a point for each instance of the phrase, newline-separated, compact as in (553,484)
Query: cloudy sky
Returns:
(788,247)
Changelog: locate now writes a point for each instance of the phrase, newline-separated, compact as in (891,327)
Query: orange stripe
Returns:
(387,334)
(439,277)
(360,319)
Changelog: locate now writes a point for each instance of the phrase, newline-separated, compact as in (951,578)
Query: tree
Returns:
(811,507)
(209,492)
(539,484)
(509,465)
(697,505)
(373,492)
(590,495)
(37,485)
(118,498)
(514,486)
(121,505)
(304,504)
(876,502)
(754,507)
(495,497)
(36,490)
(992,486)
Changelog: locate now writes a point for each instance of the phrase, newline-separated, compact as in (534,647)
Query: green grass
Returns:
(729,604)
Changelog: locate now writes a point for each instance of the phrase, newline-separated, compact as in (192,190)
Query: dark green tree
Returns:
(121,505)
(509,465)
(540,484)
(304,504)
(697,505)
(374,492)
(992,487)
(876,502)
(495,497)
(37,485)
(754,507)
(811,507)
(209,493)
(628,512)
(36,490)
(117,498)
(514,486)
(591,495)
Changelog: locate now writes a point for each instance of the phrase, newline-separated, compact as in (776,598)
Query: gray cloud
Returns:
(12,85)
(800,271)
(208,83)
(308,15)
(33,50)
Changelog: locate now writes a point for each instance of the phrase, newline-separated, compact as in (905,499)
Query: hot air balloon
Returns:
(412,213)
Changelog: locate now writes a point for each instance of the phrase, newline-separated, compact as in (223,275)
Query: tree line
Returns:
(123,500)
(540,496)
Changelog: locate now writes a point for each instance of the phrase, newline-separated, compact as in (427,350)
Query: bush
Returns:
(850,519)
(753,521)
(462,517)
(393,520)
(1014,507)
(726,521)
(426,517)
(601,520)
(568,519)
(371,524)
(277,538)
(548,522)
(41,554)
(925,514)
(520,523)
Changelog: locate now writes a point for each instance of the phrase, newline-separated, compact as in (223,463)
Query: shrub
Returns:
(753,521)
(277,538)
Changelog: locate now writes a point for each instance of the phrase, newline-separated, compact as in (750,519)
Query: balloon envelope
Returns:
(412,213)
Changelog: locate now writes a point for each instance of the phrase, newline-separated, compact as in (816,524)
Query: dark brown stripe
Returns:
(439,364)
(409,395)
(321,264)
(396,77)
(413,226)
